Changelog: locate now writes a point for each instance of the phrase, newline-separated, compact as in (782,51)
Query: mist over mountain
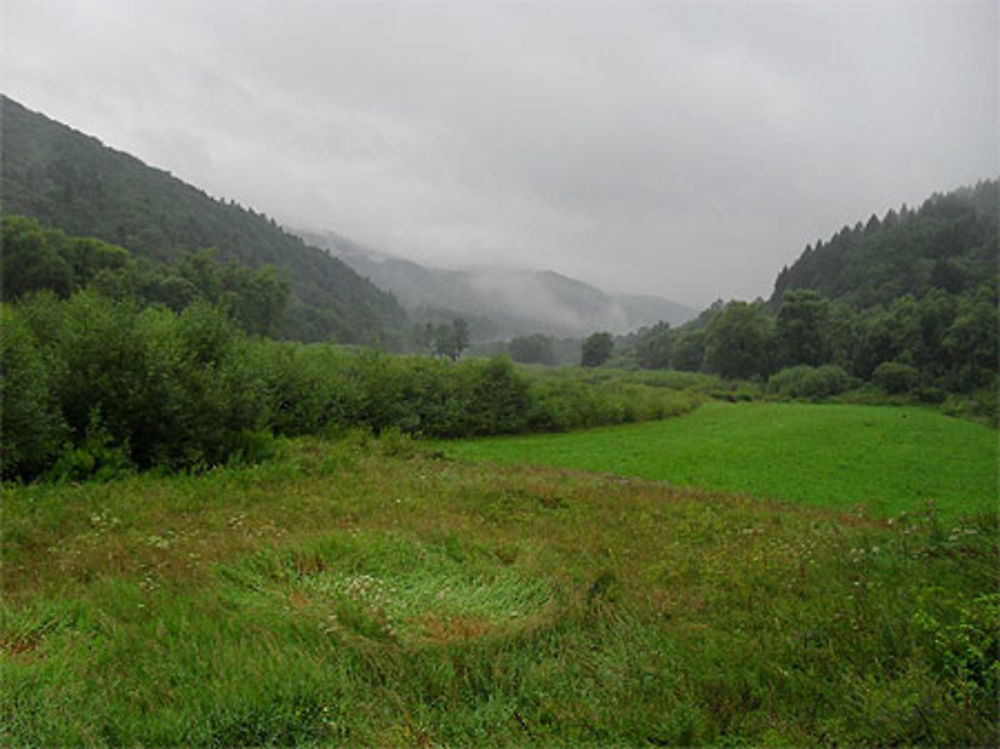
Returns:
(502,302)
(74,182)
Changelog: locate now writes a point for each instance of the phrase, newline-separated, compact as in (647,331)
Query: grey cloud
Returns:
(681,148)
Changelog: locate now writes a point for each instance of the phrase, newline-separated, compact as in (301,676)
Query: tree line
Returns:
(907,302)
(37,258)
(942,341)
(94,385)
(949,244)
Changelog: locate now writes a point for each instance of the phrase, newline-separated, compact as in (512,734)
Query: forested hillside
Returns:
(73,182)
(907,303)
(38,259)
(949,243)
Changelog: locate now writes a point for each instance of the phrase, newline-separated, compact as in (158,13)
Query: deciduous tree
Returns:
(739,341)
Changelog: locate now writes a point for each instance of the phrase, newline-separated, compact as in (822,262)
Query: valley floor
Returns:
(888,460)
(370,592)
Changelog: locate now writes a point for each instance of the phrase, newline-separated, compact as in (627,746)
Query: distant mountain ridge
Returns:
(75,183)
(503,302)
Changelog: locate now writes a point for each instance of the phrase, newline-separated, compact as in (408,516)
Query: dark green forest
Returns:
(74,183)
(907,303)
(37,259)
(948,244)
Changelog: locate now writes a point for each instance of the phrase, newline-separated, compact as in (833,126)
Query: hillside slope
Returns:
(72,181)
(513,302)
(949,243)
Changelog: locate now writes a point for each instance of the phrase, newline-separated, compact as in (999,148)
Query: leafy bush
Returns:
(896,377)
(33,428)
(97,455)
(557,407)
(930,394)
(804,381)
(494,398)
(733,395)
(979,405)
(561,404)
(169,389)
(93,386)
(304,387)
(251,446)
(535,348)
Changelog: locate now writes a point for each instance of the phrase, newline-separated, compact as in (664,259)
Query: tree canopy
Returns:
(37,259)
(910,298)
(596,349)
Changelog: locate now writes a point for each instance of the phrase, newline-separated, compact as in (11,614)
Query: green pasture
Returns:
(889,460)
(367,593)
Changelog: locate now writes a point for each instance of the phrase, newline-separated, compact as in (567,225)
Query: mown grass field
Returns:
(888,460)
(367,593)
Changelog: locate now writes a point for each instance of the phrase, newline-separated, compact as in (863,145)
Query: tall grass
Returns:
(365,592)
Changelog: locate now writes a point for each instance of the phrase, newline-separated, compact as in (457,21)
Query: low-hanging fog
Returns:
(686,149)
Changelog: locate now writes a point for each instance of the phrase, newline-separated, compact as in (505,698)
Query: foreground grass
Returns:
(355,593)
(891,460)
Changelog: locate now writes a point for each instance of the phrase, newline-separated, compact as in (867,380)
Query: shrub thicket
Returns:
(33,428)
(804,381)
(170,389)
(896,377)
(92,385)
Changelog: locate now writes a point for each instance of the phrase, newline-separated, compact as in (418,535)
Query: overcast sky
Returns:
(687,149)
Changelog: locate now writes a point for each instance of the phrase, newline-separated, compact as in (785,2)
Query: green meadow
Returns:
(368,592)
(889,460)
